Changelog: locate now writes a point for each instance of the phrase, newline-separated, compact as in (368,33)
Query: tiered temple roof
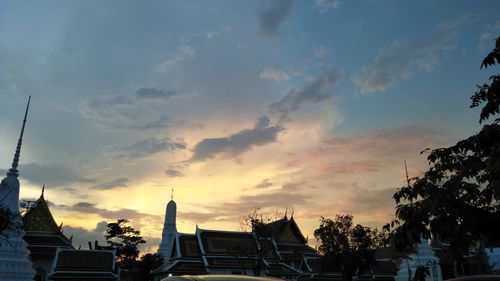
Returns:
(41,230)
(227,249)
(186,257)
(216,251)
(43,236)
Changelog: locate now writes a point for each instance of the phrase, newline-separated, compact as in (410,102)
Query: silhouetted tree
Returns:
(141,271)
(346,247)
(264,237)
(457,199)
(125,239)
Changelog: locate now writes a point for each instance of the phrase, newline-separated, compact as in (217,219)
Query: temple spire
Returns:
(15,162)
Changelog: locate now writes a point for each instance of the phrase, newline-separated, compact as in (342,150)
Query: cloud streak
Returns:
(116,183)
(235,145)
(91,208)
(265,183)
(385,144)
(183,53)
(154,93)
(174,171)
(399,60)
(150,146)
(278,74)
(326,5)
(313,92)
(54,175)
(142,110)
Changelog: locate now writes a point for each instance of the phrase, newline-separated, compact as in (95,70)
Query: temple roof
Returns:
(73,264)
(287,231)
(38,221)
(188,246)
(216,242)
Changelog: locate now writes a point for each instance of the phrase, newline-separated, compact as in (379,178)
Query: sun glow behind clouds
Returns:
(233,109)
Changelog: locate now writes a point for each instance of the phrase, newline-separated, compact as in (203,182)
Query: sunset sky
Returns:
(310,106)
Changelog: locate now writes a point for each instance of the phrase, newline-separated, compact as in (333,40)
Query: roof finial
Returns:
(43,190)
(172,196)
(13,171)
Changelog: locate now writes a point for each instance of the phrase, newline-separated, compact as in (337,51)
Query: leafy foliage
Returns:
(125,239)
(142,268)
(346,247)
(457,199)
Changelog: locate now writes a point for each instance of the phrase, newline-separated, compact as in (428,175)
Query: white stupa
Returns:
(423,256)
(14,255)
(169,230)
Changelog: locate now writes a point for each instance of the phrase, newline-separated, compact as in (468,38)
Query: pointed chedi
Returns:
(169,229)
(14,255)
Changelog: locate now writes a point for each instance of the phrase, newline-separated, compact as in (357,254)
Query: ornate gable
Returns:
(189,247)
(41,230)
(39,218)
(290,233)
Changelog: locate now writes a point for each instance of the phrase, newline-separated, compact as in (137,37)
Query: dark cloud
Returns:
(82,236)
(312,92)
(120,182)
(271,13)
(403,58)
(137,219)
(265,183)
(150,146)
(232,146)
(131,111)
(154,93)
(90,208)
(174,171)
(54,175)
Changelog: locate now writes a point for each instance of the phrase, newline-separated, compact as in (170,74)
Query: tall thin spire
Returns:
(15,162)
(172,195)
(43,190)
(407,178)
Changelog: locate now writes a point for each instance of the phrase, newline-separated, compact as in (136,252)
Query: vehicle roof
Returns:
(476,278)
(220,277)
